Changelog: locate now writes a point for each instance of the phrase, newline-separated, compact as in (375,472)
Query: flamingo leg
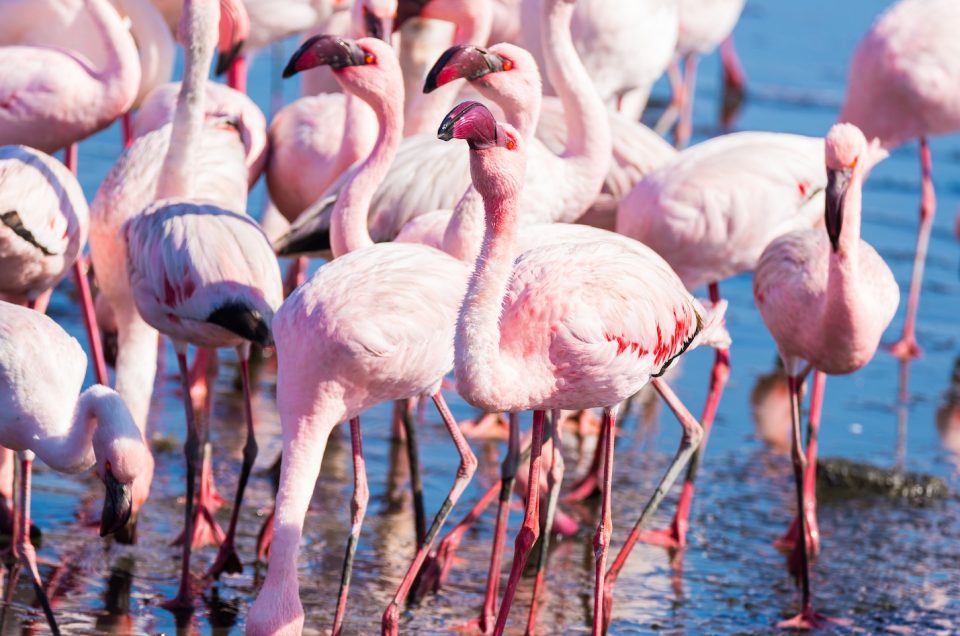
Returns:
(590,481)
(296,275)
(692,435)
(907,348)
(23,547)
(358,509)
(90,321)
(265,536)
(685,124)
(468,465)
(530,529)
(675,537)
(405,408)
(734,83)
(227,559)
(191,449)
(127,123)
(554,479)
(601,540)
(789,540)
(672,112)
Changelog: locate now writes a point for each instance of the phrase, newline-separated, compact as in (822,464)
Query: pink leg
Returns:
(692,435)
(468,465)
(907,348)
(685,124)
(734,83)
(589,484)
(22,546)
(675,537)
(90,321)
(127,123)
(265,537)
(358,508)
(807,618)
(405,409)
(601,540)
(7,469)
(227,558)
(191,449)
(42,301)
(554,479)
(530,529)
(672,112)
(296,274)
(206,531)
(789,541)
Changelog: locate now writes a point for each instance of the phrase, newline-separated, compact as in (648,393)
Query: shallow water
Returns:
(888,566)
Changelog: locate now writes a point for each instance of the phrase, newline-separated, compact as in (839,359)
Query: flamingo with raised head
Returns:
(826,296)
(340,352)
(201,273)
(904,84)
(44,414)
(624,316)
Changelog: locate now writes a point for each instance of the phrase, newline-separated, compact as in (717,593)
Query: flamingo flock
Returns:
(495,220)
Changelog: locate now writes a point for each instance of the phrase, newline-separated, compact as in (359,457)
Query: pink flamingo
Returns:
(903,85)
(234,143)
(519,348)
(826,297)
(200,273)
(44,414)
(626,47)
(340,352)
(710,212)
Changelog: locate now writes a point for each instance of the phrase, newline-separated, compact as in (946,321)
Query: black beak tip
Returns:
(225,59)
(290,69)
(430,84)
(117,506)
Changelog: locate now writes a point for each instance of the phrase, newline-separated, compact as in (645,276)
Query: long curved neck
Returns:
(348,222)
(843,274)
(120,75)
(136,364)
(478,358)
(588,131)
(179,165)
(155,44)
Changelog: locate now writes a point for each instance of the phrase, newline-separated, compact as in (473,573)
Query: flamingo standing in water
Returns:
(341,352)
(44,414)
(200,273)
(905,84)
(564,329)
(826,296)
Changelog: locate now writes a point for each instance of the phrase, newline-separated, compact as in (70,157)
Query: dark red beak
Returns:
(464,61)
(471,121)
(327,50)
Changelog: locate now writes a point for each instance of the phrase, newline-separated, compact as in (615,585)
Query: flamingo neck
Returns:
(136,364)
(479,361)
(348,222)
(179,165)
(237,74)
(588,128)
(120,75)
(843,273)
(154,44)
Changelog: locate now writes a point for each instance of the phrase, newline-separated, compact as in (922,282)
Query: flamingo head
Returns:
(497,157)
(234,31)
(847,153)
(367,67)
(375,18)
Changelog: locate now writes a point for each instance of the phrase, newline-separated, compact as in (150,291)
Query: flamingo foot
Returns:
(809,620)
(487,426)
(472,626)
(669,538)
(227,561)
(206,530)
(265,538)
(182,602)
(905,349)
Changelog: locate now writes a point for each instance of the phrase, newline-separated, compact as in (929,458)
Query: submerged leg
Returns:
(601,540)
(23,547)
(734,84)
(405,408)
(90,321)
(692,434)
(530,529)
(227,559)
(588,485)
(675,537)
(554,479)
(358,509)
(468,465)
(685,124)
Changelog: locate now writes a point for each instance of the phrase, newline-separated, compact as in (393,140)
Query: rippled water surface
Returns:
(887,566)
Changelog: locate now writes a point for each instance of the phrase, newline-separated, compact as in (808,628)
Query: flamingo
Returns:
(520,347)
(826,297)
(200,273)
(625,47)
(234,143)
(45,415)
(903,85)
(341,352)
(704,25)
(710,212)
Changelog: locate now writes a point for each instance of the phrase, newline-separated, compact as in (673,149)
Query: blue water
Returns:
(888,566)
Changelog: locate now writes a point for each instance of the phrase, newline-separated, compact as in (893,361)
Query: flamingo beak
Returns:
(407,9)
(379,28)
(471,121)
(465,61)
(837,183)
(226,57)
(117,505)
(327,50)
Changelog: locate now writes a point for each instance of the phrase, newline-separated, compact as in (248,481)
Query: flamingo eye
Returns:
(511,144)
(507,65)
(369,58)
(854,163)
